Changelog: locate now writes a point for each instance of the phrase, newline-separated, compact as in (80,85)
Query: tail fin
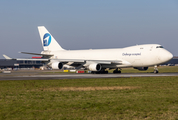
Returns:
(48,42)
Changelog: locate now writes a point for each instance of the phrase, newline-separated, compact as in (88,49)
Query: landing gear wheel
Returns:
(99,72)
(104,72)
(156,71)
(116,71)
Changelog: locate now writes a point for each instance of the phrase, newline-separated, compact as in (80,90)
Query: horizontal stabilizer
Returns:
(43,55)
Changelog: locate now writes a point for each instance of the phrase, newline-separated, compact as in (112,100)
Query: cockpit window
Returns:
(159,47)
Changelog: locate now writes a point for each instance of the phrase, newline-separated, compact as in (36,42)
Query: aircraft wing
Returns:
(39,59)
(69,60)
(78,61)
(7,57)
(85,61)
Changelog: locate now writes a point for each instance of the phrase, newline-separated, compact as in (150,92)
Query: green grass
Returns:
(151,98)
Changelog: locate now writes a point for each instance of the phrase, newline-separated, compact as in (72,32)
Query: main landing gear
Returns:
(156,69)
(116,71)
(99,72)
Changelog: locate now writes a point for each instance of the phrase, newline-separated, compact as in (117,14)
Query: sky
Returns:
(87,24)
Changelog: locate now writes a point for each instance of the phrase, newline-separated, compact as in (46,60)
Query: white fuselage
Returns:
(134,56)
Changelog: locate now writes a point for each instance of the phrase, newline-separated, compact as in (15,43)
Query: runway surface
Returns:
(79,76)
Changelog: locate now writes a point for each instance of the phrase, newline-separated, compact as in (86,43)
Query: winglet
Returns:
(5,56)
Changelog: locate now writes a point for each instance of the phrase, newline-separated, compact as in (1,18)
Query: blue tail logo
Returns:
(46,39)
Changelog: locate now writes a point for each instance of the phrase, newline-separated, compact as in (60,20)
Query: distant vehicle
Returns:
(98,60)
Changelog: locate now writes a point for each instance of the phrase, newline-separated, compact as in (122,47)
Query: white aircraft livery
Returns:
(99,60)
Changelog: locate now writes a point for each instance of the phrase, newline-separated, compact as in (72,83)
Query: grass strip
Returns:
(139,98)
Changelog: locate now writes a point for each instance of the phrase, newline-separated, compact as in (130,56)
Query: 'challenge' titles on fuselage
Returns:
(131,54)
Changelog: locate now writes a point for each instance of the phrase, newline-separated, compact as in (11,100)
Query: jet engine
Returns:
(57,65)
(141,68)
(94,67)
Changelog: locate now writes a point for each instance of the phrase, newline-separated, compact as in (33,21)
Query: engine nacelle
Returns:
(94,67)
(141,68)
(57,65)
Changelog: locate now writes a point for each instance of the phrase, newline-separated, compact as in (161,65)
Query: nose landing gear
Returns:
(156,69)
(116,71)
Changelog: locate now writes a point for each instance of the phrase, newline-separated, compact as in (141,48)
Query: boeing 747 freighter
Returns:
(98,60)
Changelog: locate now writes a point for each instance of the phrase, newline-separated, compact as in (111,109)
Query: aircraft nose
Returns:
(170,56)
(165,56)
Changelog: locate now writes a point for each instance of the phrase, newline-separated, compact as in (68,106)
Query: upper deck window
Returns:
(159,47)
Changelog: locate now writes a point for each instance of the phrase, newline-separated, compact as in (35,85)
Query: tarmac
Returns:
(45,75)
